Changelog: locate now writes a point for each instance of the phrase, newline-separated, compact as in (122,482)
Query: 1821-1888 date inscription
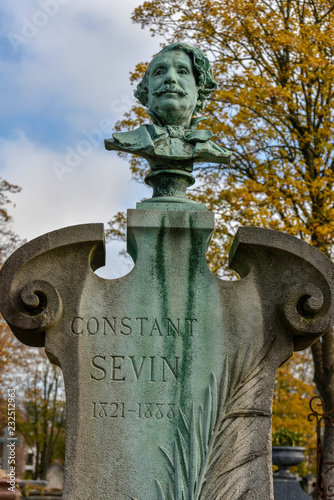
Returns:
(134,410)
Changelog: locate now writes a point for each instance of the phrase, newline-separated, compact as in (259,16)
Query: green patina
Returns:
(160,266)
(193,290)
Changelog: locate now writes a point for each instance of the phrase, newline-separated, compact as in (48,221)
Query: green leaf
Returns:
(192,456)
(177,474)
(183,453)
(161,495)
(168,456)
(191,447)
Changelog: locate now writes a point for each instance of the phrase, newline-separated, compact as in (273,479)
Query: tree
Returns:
(8,242)
(10,355)
(8,239)
(293,392)
(41,416)
(274,63)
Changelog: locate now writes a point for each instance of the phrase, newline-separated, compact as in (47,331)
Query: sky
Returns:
(64,83)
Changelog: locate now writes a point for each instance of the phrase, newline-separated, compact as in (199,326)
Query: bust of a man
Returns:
(174,89)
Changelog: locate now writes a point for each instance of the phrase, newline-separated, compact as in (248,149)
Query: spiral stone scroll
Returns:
(33,308)
(305,310)
(30,289)
(42,309)
(292,274)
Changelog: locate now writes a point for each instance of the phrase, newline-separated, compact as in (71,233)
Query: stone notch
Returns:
(32,292)
(291,273)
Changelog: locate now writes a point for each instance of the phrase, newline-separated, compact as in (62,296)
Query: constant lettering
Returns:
(141,326)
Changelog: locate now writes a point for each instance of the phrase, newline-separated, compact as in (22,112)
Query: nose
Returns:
(170,76)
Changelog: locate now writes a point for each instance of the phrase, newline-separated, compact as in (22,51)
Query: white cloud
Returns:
(73,70)
(80,59)
(93,191)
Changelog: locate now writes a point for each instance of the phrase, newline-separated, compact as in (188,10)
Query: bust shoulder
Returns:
(138,139)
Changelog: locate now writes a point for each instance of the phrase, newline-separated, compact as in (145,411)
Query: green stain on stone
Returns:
(194,271)
(160,264)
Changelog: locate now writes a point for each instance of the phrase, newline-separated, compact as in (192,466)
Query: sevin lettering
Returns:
(126,326)
(135,368)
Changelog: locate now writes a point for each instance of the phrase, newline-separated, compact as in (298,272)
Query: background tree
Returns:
(41,415)
(8,239)
(274,63)
(9,353)
(10,356)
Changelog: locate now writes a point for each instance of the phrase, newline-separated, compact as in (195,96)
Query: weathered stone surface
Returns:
(168,370)
(290,273)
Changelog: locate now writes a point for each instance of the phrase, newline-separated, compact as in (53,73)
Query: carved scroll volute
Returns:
(30,291)
(35,309)
(294,277)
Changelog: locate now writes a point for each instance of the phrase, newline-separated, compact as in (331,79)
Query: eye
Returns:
(183,71)
(158,72)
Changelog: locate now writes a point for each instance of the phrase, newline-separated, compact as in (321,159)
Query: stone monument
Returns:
(169,371)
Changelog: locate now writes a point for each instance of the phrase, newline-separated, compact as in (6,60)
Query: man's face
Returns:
(172,89)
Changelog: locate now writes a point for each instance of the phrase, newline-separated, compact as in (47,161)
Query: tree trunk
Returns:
(323,357)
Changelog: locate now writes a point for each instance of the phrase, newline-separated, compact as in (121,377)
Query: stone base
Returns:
(288,490)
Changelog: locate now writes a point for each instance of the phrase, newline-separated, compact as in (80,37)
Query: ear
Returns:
(200,101)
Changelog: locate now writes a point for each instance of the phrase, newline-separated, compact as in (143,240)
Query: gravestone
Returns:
(169,371)
(55,477)
(309,484)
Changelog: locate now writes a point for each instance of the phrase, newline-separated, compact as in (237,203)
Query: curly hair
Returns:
(202,71)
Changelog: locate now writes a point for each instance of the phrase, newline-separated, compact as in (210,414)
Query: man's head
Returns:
(176,83)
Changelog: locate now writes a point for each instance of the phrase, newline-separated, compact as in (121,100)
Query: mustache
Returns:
(170,87)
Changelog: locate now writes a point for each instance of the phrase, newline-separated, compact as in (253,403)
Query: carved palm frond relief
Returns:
(217,438)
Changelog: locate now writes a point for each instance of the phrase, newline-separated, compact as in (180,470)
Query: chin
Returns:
(173,115)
